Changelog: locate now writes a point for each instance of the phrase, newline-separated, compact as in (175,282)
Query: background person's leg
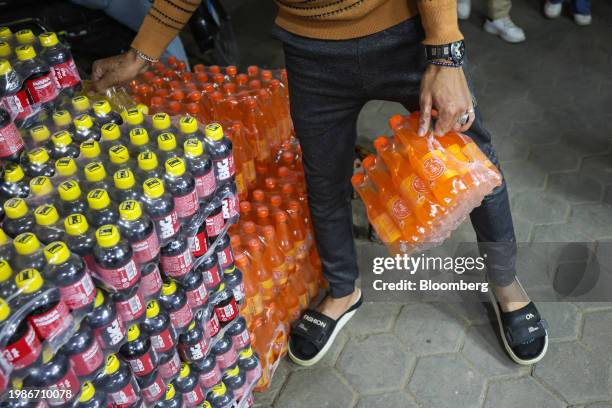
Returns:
(498,8)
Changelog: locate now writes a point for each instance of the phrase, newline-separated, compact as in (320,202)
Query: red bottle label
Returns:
(18,105)
(132,308)
(211,378)
(177,265)
(230,206)
(168,225)
(88,361)
(193,397)
(53,322)
(198,244)
(79,294)
(155,390)
(142,365)
(206,185)
(225,256)
(228,312)
(112,334)
(171,367)
(241,340)
(186,205)
(198,296)
(212,277)
(238,292)
(25,351)
(151,283)
(69,382)
(42,89)
(181,318)
(212,326)
(147,249)
(120,278)
(214,224)
(227,359)
(162,341)
(125,396)
(10,140)
(224,168)
(66,74)
(193,352)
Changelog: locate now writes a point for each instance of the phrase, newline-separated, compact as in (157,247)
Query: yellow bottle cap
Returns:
(214,131)
(66,166)
(168,288)
(153,187)
(139,136)
(90,149)
(69,190)
(185,370)
(188,124)
(193,147)
(61,118)
(76,224)
(233,372)
(5,49)
(219,390)
(98,199)
(46,214)
(102,107)
(130,210)
(83,121)
(5,32)
(170,392)
(166,142)
(5,270)
(119,154)
(205,404)
(38,156)
(40,133)
(48,39)
(61,138)
(3,237)
(80,103)
(99,301)
(161,121)
(133,332)
(246,353)
(57,253)
(5,310)
(175,166)
(5,67)
(107,236)
(95,171)
(124,179)
(25,36)
(147,161)
(110,131)
(15,208)
(192,325)
(13,173)
(144,109)
(41,185)
(112,364)
(29,280)
(87,391)
(26,243)
(25,52)
(134,117)
(152,309)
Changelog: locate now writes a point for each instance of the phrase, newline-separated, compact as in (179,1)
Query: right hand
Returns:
(116,70)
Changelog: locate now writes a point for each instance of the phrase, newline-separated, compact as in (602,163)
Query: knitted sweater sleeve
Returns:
(439,19)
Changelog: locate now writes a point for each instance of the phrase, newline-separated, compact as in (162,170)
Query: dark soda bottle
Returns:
(167,146)
(81,104)
(152,387)
(80,238)
(139,230)
(106,323)
(130,304)
(101,211)
(169,364)
(84,352)
(224,304)
(85,128)
(176,259)
(48,227)
(214,221)
(239,333)
(150,280)
(90,397)
(193,344)
(139,141)
(13,96)
(201,168)
(37,163)
(195,289)
(119,156)
(160,206)
(28,247)
(220,151)
(119,383)
(70,274)
(138,353)
(187,384)
(23,349)
(62,145)
(233,278)
(235,380)
(224,252)
(220,396)
(38,80)
(55,373)
(229,202)
(209,268)
(71,200)
(249,363)
(208,372)
(90,151)
(39,135)
(11,144)
(125,186)
(60,60)
(159,328)
(172,398)
(181,185)
(18,219)
(65,168)
(105,114)
(148,166)
(110,135)
(14,182)
(174,301)
(114,260)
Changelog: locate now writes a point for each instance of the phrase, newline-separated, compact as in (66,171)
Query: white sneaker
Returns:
(464,8)
(582,19)
(506,29)
(552,10)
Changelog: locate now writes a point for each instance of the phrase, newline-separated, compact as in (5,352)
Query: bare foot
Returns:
(336,307)
(511,297)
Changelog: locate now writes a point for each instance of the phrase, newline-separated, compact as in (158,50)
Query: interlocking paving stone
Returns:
(597,333)
(575,187)
(554,157)
(567,232)
(599,167)
(373,318)
(396,399)
(446,381)
(523,175)
(593,220)
(317,387)
(563,319)
(540,208)
(520,392)
(378,362)
(280,376)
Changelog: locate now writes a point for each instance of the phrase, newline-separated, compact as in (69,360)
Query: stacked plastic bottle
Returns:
(417,190)
(138,207)
(273,240)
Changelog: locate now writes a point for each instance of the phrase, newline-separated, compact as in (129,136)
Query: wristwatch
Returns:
(448,55)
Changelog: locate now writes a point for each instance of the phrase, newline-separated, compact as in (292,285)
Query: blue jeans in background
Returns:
(578,6)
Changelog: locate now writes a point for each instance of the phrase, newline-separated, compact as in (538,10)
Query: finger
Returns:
(470,122)
(446,120)
(103,83)
(425,117)
(97,70)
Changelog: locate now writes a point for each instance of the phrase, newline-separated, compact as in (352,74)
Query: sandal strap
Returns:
(520,334)
(314,327)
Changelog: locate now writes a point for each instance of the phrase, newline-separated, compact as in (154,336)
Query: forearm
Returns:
(439,19)
(165,20)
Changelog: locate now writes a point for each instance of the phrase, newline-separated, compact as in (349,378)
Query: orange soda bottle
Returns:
(263,274)
(274,257)
(298,286)
(265,101)
(242,146)
(254,304)
(256,130)
(258,197)
(285,240)
(246,211)
(263,216)
(298,229)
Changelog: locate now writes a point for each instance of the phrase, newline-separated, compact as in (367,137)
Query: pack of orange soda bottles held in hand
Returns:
(417,190)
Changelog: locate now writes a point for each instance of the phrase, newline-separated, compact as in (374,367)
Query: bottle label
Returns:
(211,378)
(66,74)
(186,205)
(42,89)
(126,396)
(386,228)
(228,312)
(167,226)
(206,185)
(193,352)
(89,360)
(79,294)
(224,168)
(181,317)
(25,351)
(177,265)
(198,243)
(253,374)
(250,174)
(212,325)
(214,224)
(193,397)
(120,278)
(433,166)
(112,334)
(212,277)
(155,390)
(18,105)
(147,249)
(53,322)
(241,340)
(10,140)
(238,291)
(227,359)
(132,308)
(198,296)
(142,365)
(151,283)
(229,206)
(225,256)
(69,382)
(171,367)
(163,340)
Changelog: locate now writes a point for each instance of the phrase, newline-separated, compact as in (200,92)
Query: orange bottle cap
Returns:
(262,211)
(381,142)
(369,162)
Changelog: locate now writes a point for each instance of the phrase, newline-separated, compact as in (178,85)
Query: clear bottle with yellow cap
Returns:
(119,157)
(90,151)
(11,143)
(37,76)
(37,162)
(101,209)
(111,136)
(104,113)
(114,260)
(85,128)
(7,251)
(149,166)
(96,177)
(134,117)
(39,135)
(15,97)
(14,182)
(62,120)
(81,104)
(162,123)
(60,60)
(138,228)
(160,206)
(139,141)
(181,184)
(66,168)
(188,127)
(167,146)
(18,219)
(48,224)
(63,145)
(138,352)
(126,187)
(91,397)
(6,34)
(29,251)
(187,384)
(42,191)
(119,383)
(6,52)
(25,37)
(200,166)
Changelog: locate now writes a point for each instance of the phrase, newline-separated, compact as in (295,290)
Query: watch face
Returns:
(457,50)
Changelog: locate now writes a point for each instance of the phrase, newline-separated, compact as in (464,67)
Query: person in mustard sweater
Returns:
(340,54)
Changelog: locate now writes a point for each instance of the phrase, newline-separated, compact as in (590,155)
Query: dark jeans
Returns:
(329,82)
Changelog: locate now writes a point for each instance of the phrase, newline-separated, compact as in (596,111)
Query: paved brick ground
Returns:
(547,103)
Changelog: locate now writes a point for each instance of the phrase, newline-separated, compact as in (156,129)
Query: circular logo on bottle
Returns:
(400,211)
(418,184)
(433,168)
